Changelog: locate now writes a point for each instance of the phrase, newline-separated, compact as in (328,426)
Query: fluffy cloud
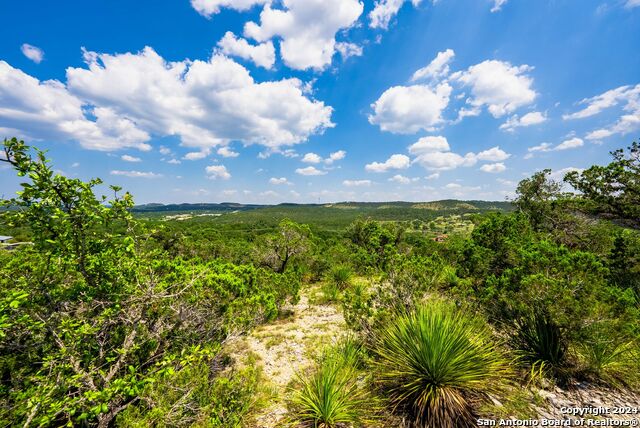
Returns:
(263,55)
(632,3)
(629,121)
(311,158)
(357,183)
(501,87)
(348,50)
(628,95)
(493,167)
(310,170)
(211,7)
(627,124)
(136,174)
(572,143)
(217,171)
(128,158)
(401,179)
(429,145)
(497,5)
(206,104)
(34,53)
(278,181)
(46,110)
(396,161)
(307,29)
(384,11)
(437,69)
(444,161)
(547,147)
(192,156)
(409,109)
(529,119)
(433,153)
(335,156)
(494,154)
(226,152)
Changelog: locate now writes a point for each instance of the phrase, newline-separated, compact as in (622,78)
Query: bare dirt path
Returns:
(287,346)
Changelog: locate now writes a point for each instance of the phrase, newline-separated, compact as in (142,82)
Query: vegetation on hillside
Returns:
(118,319)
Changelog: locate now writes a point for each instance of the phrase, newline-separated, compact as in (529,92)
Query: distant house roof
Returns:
(5,238)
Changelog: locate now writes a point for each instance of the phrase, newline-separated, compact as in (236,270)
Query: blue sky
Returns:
(270,101)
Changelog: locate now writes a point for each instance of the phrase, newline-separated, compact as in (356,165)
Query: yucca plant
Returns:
(435,361)
(542,344)
(609,358)
(341,276)
(331,395)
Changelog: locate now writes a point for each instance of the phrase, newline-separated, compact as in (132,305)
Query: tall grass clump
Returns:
(435,361)
(609,358)
(341,276)
(543,345)
(332,395)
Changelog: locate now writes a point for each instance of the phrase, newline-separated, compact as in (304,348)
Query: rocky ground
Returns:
(290,345)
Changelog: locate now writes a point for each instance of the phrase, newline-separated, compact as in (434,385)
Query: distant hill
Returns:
(444,205)
(221,207)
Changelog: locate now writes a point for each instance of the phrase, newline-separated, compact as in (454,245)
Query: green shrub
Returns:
(340,276)
(332,395)
(433,360)
(607,357)
(542,344)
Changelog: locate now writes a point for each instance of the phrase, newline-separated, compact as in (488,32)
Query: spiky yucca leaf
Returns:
(332,396)
(433,360)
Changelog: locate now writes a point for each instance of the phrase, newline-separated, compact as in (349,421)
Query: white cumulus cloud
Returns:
(278,181)
(47,110)
(409,109)
(129,158)
(348,50)
(494,154)
(629,120)
(307,29)
(335,156)
(136,174)
(498,85)
(34,53)
(429,145)
(357,183)
(493,167)
(529,119)
(217,171)
(211,7)
(310,170)
(311,158)
(396,161)
(384,11)
(437,69)
(226,152)
(263,54)
(205,103)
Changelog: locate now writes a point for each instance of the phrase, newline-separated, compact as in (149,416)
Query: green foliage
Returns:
(608,357)
(612,190)
(542,344)
(340,276)
(90,317)
(536,198)
(196,396)
(279,249)
(431,361)
(332,395)
(374,243)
